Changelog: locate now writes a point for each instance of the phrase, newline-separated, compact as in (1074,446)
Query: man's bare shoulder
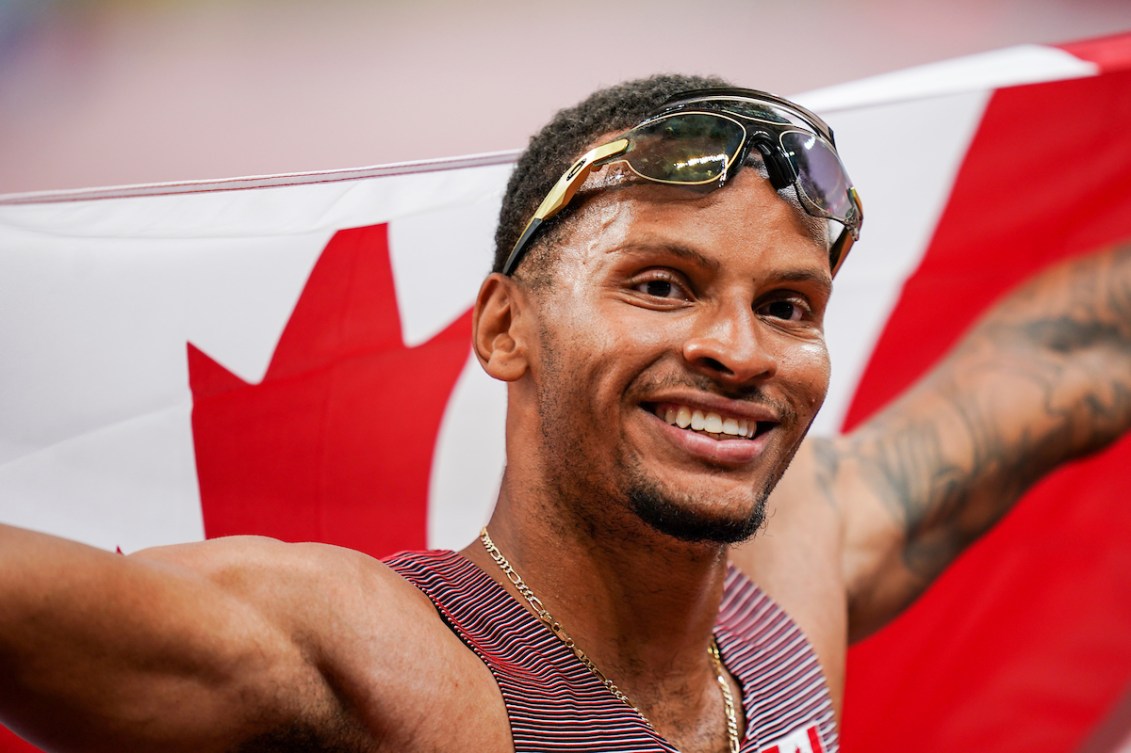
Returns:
(379,642)
(292,574)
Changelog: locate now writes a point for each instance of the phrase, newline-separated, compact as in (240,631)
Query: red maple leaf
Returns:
(335,443)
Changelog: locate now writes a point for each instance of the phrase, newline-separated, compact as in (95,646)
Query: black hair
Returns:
(561,141)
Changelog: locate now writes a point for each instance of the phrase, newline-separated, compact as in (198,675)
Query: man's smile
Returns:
(713,433)
(712,422)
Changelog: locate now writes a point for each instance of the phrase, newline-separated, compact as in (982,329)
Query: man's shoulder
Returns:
(374,636)
(298,578)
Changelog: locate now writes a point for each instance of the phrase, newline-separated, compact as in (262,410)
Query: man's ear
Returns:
(496,331)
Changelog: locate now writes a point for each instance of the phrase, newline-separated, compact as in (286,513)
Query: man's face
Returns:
(680,356)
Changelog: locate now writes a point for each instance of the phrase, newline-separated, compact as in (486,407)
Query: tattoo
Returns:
(1045,378)
(827,467)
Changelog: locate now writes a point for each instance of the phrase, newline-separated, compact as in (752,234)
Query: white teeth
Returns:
(697,420)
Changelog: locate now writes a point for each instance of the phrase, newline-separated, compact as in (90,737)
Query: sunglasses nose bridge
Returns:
(778,167)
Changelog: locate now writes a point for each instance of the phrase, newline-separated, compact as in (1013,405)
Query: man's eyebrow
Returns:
(672,249)
(820,279)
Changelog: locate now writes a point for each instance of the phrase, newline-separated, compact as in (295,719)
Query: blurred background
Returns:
(126,91)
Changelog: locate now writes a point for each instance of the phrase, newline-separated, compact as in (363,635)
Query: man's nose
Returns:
(730,343)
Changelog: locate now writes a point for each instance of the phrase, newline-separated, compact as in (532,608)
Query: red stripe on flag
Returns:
(1023,645)
(1109,53)
(1047,176)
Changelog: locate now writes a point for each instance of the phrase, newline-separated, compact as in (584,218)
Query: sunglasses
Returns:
(701,138)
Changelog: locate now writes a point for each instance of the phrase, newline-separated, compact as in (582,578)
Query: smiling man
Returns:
(692,341)
(657,314)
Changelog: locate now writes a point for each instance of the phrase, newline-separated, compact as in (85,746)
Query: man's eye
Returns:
(784,309)
(661,287)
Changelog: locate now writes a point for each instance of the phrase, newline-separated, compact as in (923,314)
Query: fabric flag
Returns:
(289,356)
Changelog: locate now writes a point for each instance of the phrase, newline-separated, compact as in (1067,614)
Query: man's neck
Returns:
(639,603)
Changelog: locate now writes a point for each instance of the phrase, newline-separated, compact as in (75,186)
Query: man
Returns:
(659,326)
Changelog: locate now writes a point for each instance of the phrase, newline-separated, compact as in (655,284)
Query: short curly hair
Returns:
(561,141)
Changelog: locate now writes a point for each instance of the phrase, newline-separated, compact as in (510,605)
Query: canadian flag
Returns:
(289,356)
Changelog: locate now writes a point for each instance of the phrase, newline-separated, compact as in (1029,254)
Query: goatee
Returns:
(686,523)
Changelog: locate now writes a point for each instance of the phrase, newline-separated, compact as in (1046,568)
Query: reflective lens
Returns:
(685,149)
(821,178)
(698,148)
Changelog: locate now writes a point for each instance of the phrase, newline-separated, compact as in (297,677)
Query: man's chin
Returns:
(689,522)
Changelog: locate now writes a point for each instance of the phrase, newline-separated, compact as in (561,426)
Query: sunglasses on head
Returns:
(701,138)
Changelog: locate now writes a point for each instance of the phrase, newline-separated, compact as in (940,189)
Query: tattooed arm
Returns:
(1043,378)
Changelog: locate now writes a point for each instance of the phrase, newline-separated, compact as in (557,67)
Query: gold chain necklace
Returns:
(557,629)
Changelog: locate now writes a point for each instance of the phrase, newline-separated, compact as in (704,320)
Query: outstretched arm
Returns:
(195,648)
(1043,378)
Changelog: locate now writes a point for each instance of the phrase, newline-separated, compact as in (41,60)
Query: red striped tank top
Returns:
(556,705)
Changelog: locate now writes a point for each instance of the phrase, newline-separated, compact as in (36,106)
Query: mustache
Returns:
(752,393)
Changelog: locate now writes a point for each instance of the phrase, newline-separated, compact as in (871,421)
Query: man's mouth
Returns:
(711,423)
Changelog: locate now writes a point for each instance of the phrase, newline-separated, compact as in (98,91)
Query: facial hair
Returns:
(685,520)
(682,516)
(668,517)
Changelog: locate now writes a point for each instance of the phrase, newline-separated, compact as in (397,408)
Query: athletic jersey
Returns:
(556,704)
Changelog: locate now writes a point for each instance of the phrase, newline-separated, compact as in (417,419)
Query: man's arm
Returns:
(196,648)
(1043,378)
